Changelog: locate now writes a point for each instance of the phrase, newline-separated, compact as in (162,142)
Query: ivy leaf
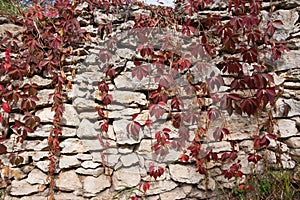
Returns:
(3,149)
(6,107)
(140,72)
(157,110)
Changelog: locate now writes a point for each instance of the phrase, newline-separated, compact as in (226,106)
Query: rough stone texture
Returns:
(96,184)
(37,177)
(185,174)
(22,187)
(68,161)
(68,181)
(126,177)
(80,174)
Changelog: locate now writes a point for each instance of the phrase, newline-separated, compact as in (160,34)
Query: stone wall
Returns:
(80,174)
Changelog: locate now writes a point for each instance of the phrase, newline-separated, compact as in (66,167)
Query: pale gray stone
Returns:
(86,130)
(70,116)
(40,81)
(185,173)
(287,128)
(95,144)
(83,105)
(125,53)
(22,187)
(84,157)
(43,96)
(94,172)
(287,162)
(292,103)
(121,133)
(130,159)
(90,164)
(43,165)
(44,131)
(96,184)
(125,113)
(36,177)
(177,193)
(68,161)
(210,183)
(66,196)
(159,187)
(103,18)
(293,142)
(124,149)
(128,177)
(125,81)
(128,97)
(68,181)
(72,145)
(145,149)
(218,146)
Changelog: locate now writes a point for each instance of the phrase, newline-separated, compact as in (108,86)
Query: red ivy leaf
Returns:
(3,149)
(6,107)
(140,72)
(157,110)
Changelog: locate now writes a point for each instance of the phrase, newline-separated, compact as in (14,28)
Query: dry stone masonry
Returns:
(80,173)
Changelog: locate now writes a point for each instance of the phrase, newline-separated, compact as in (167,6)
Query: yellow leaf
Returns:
(61,32)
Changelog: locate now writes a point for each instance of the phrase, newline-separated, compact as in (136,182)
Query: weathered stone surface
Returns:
(83,104)
(68,161)
(70,116)
(68,181)
(128,97)
(126,177)
(95,144)
(292,103)
(177,193)
(293,142)
(43,165)
(110,159)
(22,187)
(185,173)
(218,146)
(130,159)
(287,162)
(211,184)
(159,187)
(126,82)
(96,184)
(40,81)
(125,53)
(72,145)
(44,131)
(121,133)
(37,177)
(67,196)
(83,157)
(86,130)
(287,128)
(90,164)
(94,172)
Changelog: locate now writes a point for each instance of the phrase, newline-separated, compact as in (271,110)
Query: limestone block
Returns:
(130,159)
(126,177)
(36,176)
(94,172)
(22,187)
(68,161)
(68,181)
(185,173)
(96,184)
(293,142)
(72,145)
